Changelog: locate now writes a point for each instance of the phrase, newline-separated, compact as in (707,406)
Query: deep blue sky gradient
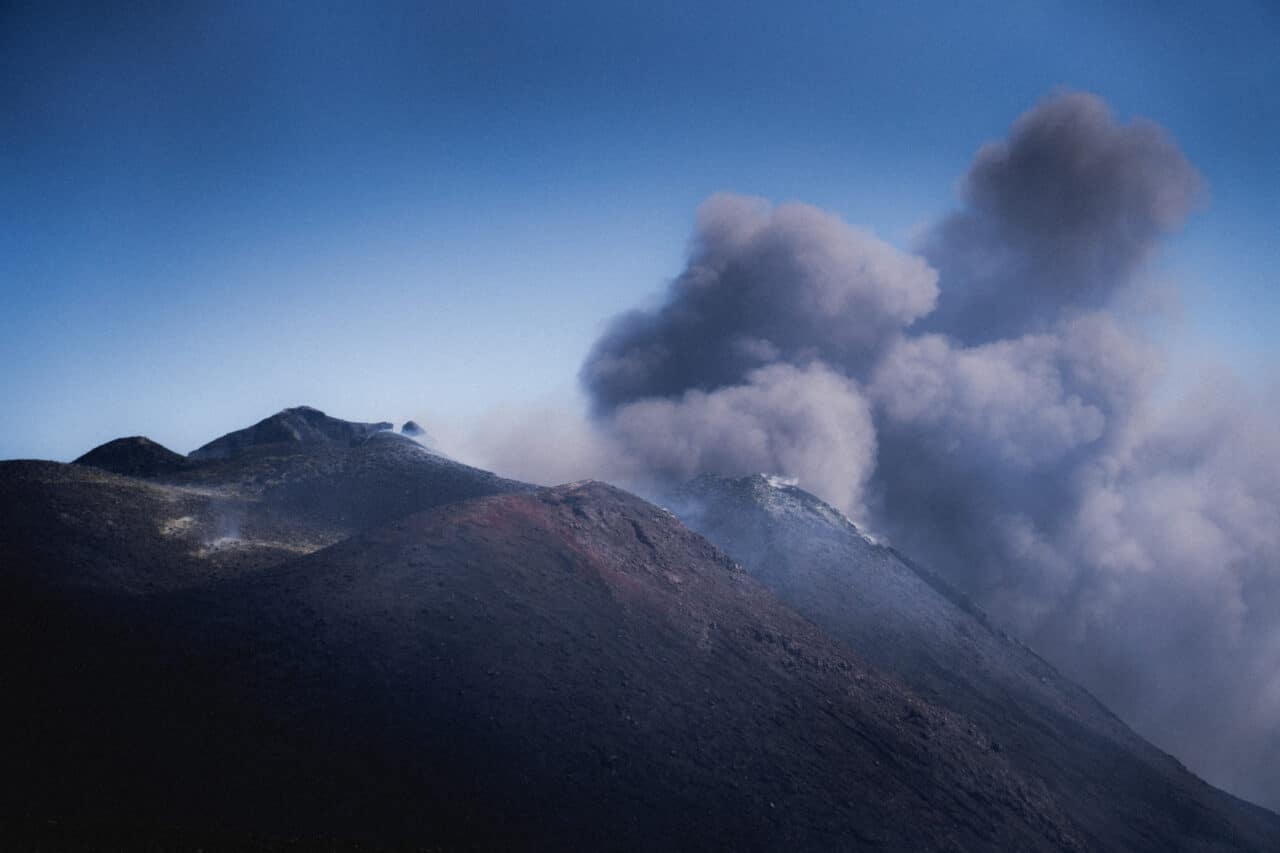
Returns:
(212,211)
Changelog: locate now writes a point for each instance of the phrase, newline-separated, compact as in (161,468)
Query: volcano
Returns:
(317,633)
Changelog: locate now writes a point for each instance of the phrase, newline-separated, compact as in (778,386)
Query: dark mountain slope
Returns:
(78,526)
(571,669)
(351,640)
(1123,791)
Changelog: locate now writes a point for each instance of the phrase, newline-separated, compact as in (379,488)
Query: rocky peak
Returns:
(134,456)
(777,496)
(299,425)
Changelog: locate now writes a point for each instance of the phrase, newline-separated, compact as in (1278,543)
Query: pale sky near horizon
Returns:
(397,210)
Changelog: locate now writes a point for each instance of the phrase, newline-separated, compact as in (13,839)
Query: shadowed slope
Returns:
(357,641)
(568,669)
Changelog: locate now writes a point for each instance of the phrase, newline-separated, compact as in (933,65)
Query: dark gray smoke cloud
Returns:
(1013,437)
(1059,215)
(763,285)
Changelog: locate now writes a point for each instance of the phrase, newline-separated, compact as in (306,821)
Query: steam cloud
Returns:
(986,405)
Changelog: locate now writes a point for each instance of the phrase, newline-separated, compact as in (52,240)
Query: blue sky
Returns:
(389,210)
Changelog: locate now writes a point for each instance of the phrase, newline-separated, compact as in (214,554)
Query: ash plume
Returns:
(809,422)
(1058,216)
(763,285)
(989,407)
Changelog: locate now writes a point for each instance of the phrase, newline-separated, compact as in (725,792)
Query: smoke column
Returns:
(986,404)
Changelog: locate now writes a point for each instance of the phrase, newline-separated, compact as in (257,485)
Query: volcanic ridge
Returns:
(317,633)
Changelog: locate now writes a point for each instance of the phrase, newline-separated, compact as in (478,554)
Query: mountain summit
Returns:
(135,456)
(301,424)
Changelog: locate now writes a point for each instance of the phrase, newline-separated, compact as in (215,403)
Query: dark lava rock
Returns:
(413,429)
(302,424)
(135,456)
(566,669)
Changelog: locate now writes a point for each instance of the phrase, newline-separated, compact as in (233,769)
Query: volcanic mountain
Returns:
(326,636)
(906,620)
(136,456)
(300,425)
